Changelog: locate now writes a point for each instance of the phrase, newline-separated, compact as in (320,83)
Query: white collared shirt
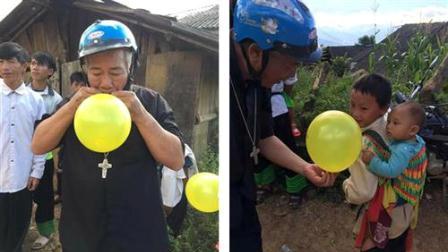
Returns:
(20,108)
(51,101)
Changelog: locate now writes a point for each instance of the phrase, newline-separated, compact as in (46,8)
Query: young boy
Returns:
(77,80)
(20,170)
(265,173)
(407,162)
(403,123)
(369,101)
(42,68)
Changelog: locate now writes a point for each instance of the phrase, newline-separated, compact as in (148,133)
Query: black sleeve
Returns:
(266,122)
(158,107)
(165,117)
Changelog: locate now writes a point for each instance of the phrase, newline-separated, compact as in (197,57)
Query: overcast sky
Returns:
(346,13)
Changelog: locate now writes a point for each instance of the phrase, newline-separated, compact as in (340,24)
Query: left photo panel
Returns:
(109,126)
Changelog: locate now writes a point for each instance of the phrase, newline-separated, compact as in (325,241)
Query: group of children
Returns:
(388,178)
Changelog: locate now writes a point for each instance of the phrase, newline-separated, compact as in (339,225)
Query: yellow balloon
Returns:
(102,123)
(202,192)
(334,140)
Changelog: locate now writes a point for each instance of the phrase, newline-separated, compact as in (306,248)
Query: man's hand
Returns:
(132,102)
(32,183)
(367,155)
(319,177)
(82,94)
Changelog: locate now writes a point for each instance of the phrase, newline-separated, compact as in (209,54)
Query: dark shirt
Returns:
(124,211)
(248,92)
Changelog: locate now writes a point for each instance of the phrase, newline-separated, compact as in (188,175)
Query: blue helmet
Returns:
(283,25)
(106,35)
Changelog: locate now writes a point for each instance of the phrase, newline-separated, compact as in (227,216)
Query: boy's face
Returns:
(400,125)
(12,72)
(364,108)
(40,72)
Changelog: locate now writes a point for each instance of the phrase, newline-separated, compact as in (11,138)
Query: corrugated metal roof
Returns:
(30,10)
(206,20)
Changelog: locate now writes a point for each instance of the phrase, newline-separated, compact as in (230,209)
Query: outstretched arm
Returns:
(276,151)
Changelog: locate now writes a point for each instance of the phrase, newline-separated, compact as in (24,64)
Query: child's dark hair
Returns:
(416,112)
(377,86)
(79,77)
(10,50)
(46,59)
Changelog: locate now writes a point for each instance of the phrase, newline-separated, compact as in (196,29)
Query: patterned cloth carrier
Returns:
(408,188)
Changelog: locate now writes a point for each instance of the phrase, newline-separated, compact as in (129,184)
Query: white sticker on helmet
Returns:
(95,34)
(285,6)
(269,26)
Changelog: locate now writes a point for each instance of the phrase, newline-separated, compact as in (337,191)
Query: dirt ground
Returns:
(53,245)
(325,222)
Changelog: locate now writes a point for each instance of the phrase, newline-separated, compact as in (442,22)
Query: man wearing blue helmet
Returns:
(269,39)
(121,211)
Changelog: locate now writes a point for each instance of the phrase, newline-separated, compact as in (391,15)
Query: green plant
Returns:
(200,230)
(366,40)
(372,61)
(340,65)
(390,55)
(334,95)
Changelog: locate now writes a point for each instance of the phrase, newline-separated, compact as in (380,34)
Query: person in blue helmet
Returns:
(268,40)
(121,211)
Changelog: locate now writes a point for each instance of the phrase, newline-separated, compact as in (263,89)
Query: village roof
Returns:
(29,11)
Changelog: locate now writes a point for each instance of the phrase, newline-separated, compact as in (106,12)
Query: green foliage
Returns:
(200,230)
(412,66)
(390,56)
(340,65)
(333,95)
(209,162)
(403,70)
(372,62)
(200,233)
(366,40)
(442,97)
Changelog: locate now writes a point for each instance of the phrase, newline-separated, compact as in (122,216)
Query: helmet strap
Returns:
(132,68)
(264,62)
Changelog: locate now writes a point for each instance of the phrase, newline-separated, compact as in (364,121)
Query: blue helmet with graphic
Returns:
(286,26)
(105,35)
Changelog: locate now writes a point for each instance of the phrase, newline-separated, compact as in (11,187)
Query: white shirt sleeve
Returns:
(38,165)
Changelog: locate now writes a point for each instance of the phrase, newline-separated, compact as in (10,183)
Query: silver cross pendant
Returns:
(254,154)
(104,166)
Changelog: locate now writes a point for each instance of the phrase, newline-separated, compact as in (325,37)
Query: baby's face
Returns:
(364,108)
(400,124)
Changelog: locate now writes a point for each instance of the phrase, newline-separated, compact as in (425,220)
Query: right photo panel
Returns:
(338,125)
